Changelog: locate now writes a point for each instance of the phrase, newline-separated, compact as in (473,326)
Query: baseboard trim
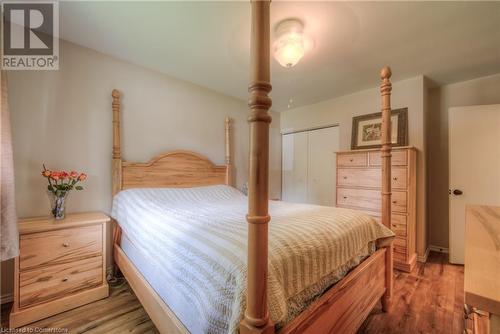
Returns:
(6,298)
(423,258)
(438,249)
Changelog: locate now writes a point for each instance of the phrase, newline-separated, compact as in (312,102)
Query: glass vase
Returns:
(58,204)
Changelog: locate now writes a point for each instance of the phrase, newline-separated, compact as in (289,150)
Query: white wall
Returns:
(407,93)
(63,119)
(480,91)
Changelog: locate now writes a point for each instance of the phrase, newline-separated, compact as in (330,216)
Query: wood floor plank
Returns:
(428,300)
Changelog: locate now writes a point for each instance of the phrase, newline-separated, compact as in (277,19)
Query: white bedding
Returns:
(190,245)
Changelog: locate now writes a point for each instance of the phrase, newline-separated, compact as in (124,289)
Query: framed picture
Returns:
(367,129)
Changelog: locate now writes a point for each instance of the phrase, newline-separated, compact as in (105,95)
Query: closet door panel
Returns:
(323,143)
(294,167)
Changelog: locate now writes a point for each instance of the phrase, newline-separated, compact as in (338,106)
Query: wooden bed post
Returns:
(117,163)
(256,318)
(385,91)
(229,160)
(117,158)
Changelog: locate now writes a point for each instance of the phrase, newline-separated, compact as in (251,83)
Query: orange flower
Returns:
(46,173)
(55,176)
(73,174)
(64,175)
(82,177)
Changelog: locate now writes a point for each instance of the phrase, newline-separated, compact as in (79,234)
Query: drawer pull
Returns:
(65,279)
(395,178)
(394,202)
(345,197)
(351,160)
(345,177)
(65,244)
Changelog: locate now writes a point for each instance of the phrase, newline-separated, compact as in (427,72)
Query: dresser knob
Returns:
(351,160)
(65,279)
(65,244)
(345,197)
(395,178)
(345,177)
(393,202)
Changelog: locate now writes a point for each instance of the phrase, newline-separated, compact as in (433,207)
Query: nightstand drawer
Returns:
(59,246)
(50,283)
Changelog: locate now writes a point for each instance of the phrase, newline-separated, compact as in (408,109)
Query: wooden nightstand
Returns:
(61,265)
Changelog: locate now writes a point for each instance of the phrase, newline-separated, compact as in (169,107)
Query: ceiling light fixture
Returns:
(291,44)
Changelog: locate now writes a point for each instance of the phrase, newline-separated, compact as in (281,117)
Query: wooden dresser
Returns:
(359,181)
(61,265)
(482,269)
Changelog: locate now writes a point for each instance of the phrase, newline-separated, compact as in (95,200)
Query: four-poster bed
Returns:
(340,308)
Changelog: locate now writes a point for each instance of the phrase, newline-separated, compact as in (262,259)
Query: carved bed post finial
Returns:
(256,318)
(229,159)
(385,92)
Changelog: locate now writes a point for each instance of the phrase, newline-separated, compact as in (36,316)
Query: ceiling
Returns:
(207,43)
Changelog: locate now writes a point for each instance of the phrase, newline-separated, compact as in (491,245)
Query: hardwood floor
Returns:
(427,300)
(120,313)
(430,299)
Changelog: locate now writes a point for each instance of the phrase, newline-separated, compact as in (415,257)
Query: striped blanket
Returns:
(191,244)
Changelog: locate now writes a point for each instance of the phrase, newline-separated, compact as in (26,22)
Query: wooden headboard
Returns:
(174,169)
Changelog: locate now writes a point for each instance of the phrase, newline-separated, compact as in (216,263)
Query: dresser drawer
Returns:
(398,199)
(370,199)
(360,198)
(39,286)
(370,177)
(59,246)
(352,160)
(399,257)
(398,225)
(400,246)
(358,177)
(398,158)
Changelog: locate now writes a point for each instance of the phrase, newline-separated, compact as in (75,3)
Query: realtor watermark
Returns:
(30,35)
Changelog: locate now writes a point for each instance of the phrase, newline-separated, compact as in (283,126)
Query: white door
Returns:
(474,157)
(323,143)
(294,167)
(308,166)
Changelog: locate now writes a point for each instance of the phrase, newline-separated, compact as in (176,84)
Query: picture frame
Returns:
(366,129)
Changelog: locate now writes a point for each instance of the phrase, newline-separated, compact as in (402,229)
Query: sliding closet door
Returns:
(294,167)
(309,166)
(322,145)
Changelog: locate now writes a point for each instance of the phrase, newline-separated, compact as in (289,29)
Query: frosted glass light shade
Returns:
(291,44)
(289,49)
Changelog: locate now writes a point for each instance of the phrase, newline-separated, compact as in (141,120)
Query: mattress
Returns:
(191,246)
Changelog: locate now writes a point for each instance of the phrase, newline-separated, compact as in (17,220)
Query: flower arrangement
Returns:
(60,184)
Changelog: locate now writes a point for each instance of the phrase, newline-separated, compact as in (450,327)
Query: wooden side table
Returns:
(482,269)
(61,265)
